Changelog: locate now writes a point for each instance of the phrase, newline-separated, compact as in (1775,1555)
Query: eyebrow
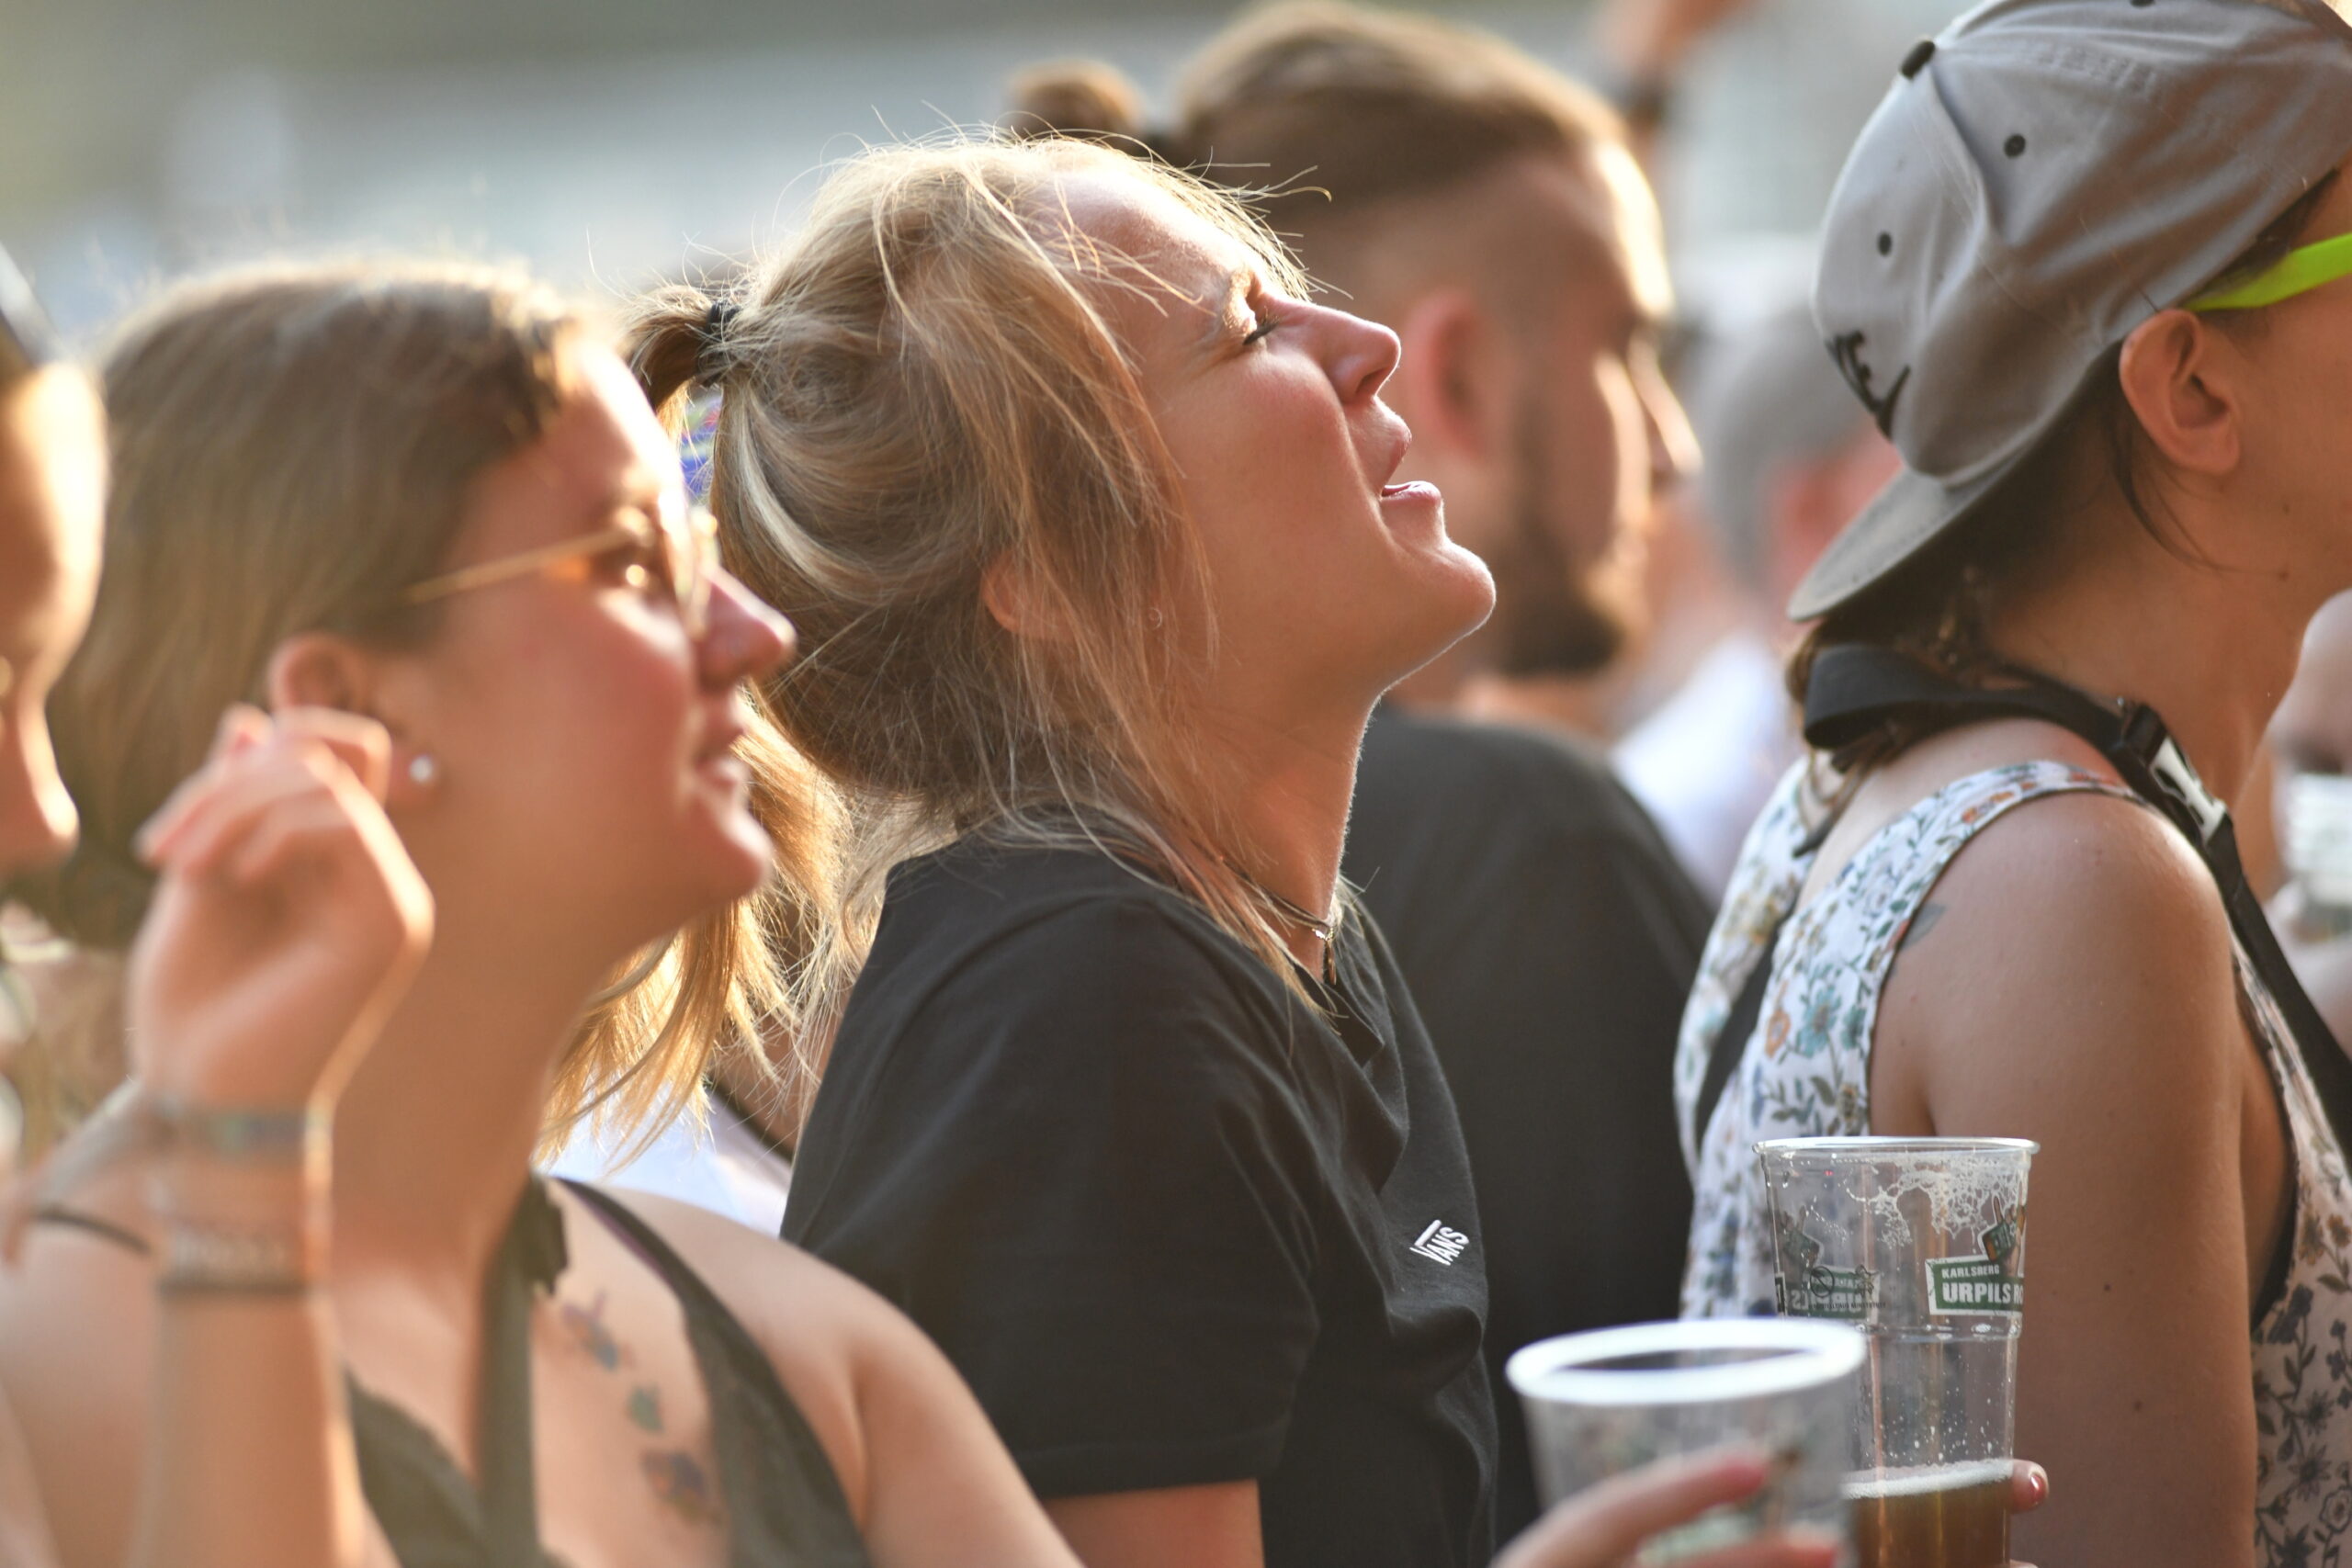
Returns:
(1238,284)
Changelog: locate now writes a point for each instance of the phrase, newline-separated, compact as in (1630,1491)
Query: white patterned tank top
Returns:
(1805,1073)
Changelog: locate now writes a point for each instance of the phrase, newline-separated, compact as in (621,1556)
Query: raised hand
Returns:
(288,918)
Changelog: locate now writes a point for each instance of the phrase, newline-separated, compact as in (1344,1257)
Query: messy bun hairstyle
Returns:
(921,388)
(292,447)
(1085,100)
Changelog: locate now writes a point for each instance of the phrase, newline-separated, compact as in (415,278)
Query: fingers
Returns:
(2029,1487)
(1608,1523)
(209,831)
(242,727)
(1787,1548)
(359,743)
(307,829)
(360,747)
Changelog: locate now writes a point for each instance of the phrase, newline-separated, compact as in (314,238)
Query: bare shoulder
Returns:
(791,1303)
(2075,947)
(836,1346)
(2084,877)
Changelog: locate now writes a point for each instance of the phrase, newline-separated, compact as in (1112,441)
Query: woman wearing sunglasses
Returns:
(2091,268)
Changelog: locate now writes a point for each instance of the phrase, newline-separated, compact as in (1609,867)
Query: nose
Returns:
(37,817)
(1361,356)
(745,640)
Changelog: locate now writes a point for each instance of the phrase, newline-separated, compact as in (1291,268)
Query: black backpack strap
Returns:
(1723,1058)
(1853,688)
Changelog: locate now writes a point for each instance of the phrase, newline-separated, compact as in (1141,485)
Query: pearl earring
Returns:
(423,771)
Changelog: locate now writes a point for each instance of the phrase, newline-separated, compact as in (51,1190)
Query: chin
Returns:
(1453,603)
(716,864)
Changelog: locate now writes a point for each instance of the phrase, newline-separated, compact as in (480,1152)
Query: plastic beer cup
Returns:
(1615,1399)
(1920,1244)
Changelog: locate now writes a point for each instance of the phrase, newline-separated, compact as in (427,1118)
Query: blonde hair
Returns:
(291,449)
(922,386)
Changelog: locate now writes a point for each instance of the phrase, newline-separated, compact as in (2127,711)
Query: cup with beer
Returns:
(1919,1243)
(1615,1399)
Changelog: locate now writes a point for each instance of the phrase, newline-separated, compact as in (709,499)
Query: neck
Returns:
(1438,684)
(2210,647)
(434,1136)
(1286,799)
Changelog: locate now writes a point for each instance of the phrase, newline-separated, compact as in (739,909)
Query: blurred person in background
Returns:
(1089,521)
(1488,211)
(425,516)
(1790,460)
(2088,269)
(2310,744)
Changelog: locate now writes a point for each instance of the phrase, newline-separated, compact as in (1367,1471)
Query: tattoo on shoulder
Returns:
(1921,924)
(682,1485)
(681,1482)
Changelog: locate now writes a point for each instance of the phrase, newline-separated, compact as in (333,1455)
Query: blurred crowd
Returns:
(1018,881)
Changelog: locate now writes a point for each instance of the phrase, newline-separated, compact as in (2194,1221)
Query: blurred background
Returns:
(607,141)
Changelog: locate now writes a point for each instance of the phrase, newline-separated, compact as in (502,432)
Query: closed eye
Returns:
(1268,323)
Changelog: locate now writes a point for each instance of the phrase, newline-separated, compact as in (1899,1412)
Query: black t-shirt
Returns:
(1549,938)
(1174,1226)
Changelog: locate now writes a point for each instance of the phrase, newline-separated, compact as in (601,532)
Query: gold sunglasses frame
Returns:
(691,590)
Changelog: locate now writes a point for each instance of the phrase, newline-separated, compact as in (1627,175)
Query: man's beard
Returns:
(1550,619)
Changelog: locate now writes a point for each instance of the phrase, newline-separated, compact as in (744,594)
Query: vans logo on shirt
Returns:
(1439,1243)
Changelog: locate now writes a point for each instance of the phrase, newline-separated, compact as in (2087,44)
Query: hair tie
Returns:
(711,363)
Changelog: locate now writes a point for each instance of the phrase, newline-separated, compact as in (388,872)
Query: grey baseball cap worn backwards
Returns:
(2041,179)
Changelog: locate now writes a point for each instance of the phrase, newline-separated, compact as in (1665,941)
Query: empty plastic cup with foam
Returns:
(1615,1399)
(1920,1244)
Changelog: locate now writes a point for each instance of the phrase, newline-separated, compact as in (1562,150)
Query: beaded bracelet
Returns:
(241,1135)
(206,1258)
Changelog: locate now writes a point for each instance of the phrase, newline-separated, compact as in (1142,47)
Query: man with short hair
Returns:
(1791,458)
(1490,212)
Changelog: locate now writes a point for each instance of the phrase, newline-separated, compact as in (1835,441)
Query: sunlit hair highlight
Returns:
(925,386)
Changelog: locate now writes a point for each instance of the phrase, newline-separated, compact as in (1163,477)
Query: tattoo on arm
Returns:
(1921,924)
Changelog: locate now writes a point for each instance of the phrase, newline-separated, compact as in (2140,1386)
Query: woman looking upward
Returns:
(1084,511)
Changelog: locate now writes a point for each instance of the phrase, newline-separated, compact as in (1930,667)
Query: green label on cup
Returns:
(1849,1293)
(1976,1286)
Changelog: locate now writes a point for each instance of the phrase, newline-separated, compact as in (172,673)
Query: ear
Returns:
(1019,603)
(320,669)
(2180,377)
(1447,386)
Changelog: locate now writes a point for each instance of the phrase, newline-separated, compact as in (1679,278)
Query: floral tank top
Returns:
(1805,1073)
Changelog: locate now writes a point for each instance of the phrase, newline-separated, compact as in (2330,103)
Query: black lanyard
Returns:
(1854,688)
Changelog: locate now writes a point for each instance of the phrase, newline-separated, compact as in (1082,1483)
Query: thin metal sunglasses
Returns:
(2297,272)
(688,546)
